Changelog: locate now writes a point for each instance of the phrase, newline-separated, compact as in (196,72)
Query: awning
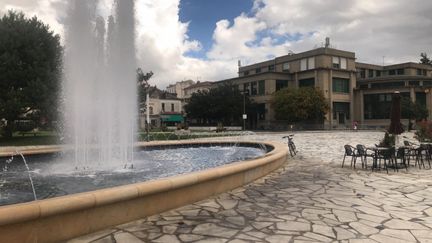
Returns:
(172,118)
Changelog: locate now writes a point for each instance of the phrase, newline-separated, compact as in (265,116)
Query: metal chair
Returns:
(350,151)
(362,152)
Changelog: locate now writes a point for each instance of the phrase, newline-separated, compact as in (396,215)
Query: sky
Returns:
(204,39)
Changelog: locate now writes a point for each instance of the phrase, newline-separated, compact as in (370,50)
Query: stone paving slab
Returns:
(302,202)
(310,199)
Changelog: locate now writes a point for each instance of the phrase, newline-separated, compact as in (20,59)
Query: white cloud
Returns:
(396,29)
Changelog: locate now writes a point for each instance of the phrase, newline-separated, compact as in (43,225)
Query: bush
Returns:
(424,131)
(182,126)
(220,127)
(388,140)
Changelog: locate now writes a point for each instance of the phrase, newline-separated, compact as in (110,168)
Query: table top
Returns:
(378,148)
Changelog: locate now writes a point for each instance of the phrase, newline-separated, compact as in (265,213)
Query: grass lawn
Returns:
(28,139)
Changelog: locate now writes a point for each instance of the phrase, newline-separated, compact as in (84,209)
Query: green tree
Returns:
(300,105)
(30,70)
(425,59)
(413,110)
(221,104)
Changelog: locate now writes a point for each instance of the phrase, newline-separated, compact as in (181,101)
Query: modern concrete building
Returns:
(330,70)
(354,91)
(376,84)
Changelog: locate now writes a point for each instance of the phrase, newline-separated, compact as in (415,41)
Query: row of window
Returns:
(305,64)
(163,107)
(255,88)
(395,84)
(378,106)
(362,72)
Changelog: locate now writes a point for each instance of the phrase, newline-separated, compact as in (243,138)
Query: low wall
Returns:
(66,217)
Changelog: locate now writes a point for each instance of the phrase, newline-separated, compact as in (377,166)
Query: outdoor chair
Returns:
(411,151)
(363,153)
(402,154)
(350,151)
(422,154)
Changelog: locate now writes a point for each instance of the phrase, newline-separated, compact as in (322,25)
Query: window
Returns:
(254,88)
(341,85)
(363,86)
(307,82)
(271,68)
(424,72)
(151,110)
(280,84)
(335,61)
(421,98)
(378,73)
(303,64)
(311,63)
(392,72)
(362,73)
(246,87)
(343,63)
(414,83)
(370,73)
(261,87)
(419,72)
(246,73)
(388,84)
(341,107)
(378,106)
(257,70)
(285,66)
(172,107)
(163,107)
(400,71)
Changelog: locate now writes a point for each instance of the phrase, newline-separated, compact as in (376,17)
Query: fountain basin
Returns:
(65,217)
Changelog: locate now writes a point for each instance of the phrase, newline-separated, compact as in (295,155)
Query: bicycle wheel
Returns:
(291,150)
(294,148)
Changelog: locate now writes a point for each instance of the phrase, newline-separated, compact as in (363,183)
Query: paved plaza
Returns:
(310,199)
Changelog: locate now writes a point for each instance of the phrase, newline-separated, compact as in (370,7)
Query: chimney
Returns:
(327,42)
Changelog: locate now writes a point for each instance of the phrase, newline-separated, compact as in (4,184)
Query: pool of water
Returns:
(56,174)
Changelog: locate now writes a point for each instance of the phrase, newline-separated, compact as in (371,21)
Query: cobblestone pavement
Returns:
(305,201)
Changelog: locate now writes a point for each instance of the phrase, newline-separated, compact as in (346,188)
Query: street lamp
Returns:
(245,92)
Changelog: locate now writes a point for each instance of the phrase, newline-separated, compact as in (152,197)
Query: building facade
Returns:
(164,109)
(179,88)
(376,84)
(354,91)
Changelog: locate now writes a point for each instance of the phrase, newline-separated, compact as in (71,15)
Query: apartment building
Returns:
(199,86)
(179,88)
(164,108)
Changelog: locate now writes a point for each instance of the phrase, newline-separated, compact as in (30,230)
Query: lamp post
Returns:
(245,92)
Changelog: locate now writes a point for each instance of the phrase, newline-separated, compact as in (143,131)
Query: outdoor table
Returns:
(377,151)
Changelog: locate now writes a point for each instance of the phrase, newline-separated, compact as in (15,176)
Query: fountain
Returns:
(100,181)
(100,88)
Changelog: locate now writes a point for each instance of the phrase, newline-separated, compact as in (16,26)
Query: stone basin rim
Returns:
(22,212)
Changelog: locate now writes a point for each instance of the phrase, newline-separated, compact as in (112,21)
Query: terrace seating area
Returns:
(390,158)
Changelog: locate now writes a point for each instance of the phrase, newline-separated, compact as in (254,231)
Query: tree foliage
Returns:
(221,104)
(30,69)
(424,59)
(143,87)
(413,110)
(305,104)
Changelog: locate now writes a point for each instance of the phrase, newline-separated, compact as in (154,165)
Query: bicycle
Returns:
(291,145)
